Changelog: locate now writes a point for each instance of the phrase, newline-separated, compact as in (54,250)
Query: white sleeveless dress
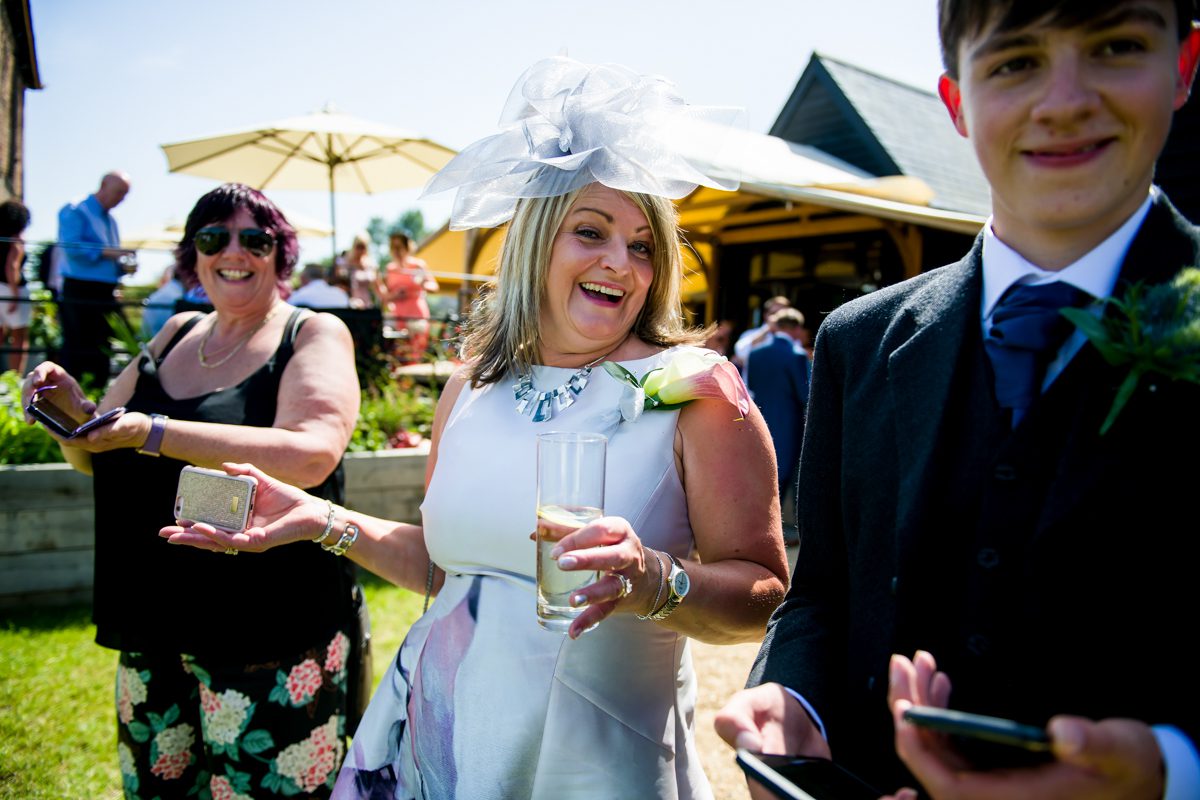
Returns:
(481,702)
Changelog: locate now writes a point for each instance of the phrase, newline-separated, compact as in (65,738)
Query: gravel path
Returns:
(721,671)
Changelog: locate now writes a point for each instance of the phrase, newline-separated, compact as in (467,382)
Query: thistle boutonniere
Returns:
(689,376)
(1155,330)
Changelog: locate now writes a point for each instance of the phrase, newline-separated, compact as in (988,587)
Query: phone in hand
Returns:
(802,778)
(987,742)
(215,498)
(977,726)
(67,425)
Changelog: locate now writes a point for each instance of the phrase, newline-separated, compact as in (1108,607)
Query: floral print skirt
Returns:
(187,727)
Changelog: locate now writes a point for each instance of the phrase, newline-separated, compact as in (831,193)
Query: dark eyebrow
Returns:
(1004,40)
(1001,42)
(607,216)
(1132,13)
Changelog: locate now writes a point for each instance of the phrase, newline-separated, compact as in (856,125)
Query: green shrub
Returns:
(23,444)
(396,414)
(391,411)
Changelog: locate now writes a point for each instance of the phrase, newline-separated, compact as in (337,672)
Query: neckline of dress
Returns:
(619,361)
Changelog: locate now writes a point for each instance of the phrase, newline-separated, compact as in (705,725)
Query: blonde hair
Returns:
(503,334)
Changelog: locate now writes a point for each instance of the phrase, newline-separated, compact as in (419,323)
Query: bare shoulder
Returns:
(320,323)
(453,388)
(169,329)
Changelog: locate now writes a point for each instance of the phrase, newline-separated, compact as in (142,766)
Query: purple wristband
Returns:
(153,444)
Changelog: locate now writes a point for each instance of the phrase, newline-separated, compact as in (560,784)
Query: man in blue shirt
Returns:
(92,267)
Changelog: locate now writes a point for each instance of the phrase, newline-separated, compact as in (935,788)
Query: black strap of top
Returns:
(179,334)
(292,329)
(286,345)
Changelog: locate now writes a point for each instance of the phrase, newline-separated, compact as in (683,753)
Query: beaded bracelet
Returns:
(328,523)
(662,582)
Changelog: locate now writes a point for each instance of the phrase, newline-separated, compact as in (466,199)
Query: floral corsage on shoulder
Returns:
(1153,330)
(689,375)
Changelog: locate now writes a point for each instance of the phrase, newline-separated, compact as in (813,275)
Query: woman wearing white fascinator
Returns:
(481,701)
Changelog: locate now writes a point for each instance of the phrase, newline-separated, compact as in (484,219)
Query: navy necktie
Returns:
(1027,331)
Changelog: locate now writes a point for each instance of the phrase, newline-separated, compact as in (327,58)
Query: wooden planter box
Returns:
(46,523)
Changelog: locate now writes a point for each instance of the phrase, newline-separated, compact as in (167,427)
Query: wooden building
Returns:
(18,72)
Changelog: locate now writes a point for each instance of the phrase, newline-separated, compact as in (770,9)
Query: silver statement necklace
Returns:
(541,406)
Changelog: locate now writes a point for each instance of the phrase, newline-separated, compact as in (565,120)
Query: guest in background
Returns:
(92,266)
(159,306)
(757,336)
(315,292)
(405,281)
(361,271)
(779,385)
(15,309)
(721,339)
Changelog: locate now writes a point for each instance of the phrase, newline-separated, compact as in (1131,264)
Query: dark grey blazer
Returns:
(1049,570)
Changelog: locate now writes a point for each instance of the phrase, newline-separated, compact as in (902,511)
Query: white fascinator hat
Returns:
(567,124)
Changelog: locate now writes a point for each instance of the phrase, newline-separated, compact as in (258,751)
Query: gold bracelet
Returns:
(348,538)
(662,582)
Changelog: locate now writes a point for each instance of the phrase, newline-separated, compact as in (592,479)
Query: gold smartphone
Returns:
(211,496)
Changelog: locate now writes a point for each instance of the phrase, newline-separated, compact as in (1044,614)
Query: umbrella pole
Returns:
(332,221)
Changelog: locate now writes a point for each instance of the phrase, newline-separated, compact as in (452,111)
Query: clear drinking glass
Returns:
(570,494)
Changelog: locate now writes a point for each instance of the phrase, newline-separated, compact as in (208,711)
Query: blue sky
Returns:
(122,78)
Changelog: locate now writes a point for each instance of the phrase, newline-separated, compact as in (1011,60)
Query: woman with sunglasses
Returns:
(233,670)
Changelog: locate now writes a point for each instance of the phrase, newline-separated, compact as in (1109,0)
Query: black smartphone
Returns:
(42,408)
(977,726)
(801,778)
(986,742)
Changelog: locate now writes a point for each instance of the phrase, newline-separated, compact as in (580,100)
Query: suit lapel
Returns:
(1082,395)
(921,372)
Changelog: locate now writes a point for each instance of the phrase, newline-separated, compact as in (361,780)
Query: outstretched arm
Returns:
(286,515)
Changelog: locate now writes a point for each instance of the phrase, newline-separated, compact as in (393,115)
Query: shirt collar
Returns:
(1095,273)
(93,203)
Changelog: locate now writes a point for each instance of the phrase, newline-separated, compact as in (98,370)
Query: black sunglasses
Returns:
(255,241)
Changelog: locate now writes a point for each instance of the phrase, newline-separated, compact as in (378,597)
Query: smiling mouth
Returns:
(606,294)
(1082,151)
(234,274)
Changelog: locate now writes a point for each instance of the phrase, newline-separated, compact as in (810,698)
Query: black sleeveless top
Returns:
(152,596)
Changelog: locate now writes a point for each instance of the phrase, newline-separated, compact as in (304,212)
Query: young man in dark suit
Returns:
(957,498)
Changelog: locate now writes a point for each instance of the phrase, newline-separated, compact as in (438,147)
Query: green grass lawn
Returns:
(57,726)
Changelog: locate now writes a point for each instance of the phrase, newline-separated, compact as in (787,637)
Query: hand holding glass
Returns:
(570,494)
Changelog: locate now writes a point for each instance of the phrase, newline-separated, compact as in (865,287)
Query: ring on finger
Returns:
(626,585)
(231,551)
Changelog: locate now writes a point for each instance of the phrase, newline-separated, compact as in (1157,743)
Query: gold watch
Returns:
(678,584)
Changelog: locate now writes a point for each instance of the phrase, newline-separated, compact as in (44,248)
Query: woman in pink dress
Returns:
(405,281)
(360,271)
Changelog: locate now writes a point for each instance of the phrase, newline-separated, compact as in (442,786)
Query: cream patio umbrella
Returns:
(323,150)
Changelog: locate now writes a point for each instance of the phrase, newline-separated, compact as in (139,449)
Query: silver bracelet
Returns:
(328,523)
(662,582)
(348,538)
